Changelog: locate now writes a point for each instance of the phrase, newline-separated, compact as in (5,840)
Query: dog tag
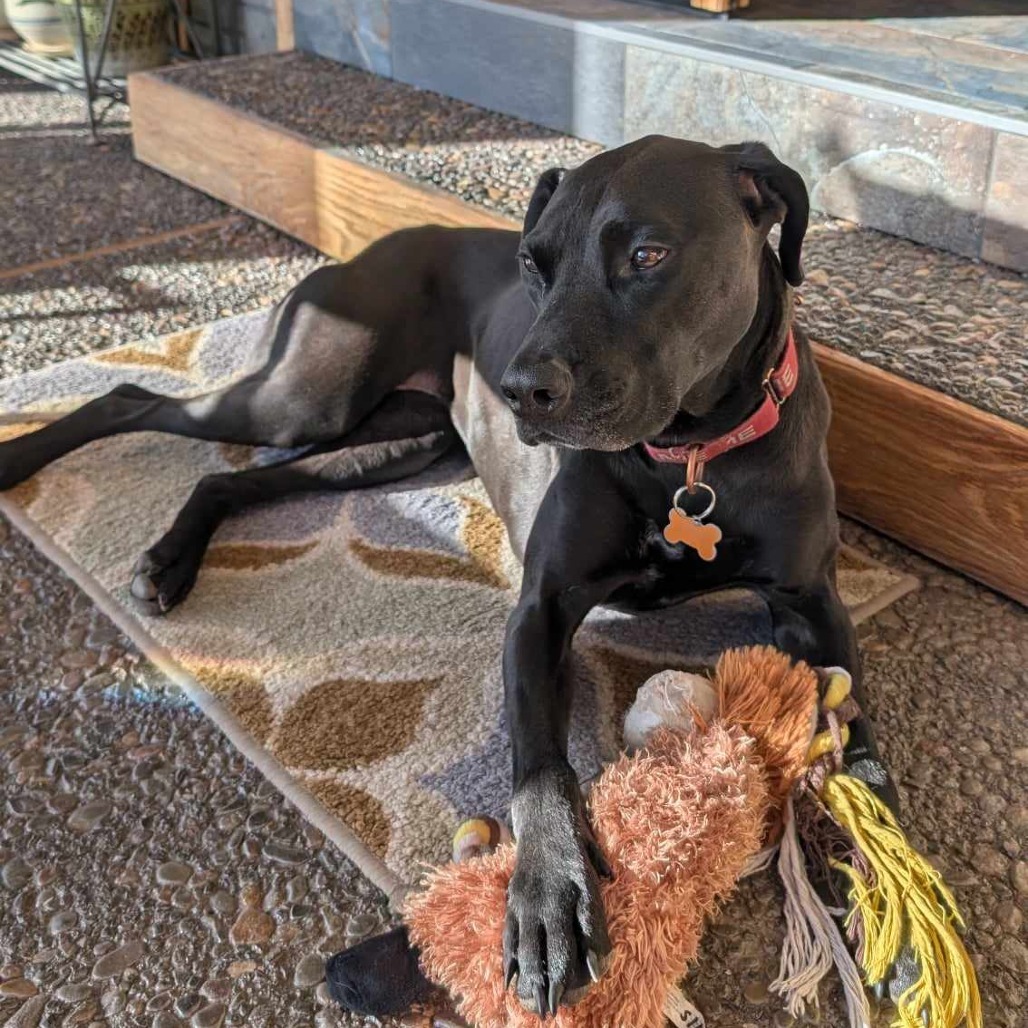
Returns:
(689,529)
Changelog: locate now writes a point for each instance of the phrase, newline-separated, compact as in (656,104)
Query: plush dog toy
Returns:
(679,821)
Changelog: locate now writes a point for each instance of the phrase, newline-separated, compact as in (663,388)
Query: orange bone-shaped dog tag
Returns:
(683,529)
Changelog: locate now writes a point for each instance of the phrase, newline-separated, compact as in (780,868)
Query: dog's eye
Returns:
(646,257)
(528,264)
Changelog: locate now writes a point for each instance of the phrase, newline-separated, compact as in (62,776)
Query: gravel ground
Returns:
(63,196)
(28,107)
(958,326)
(134,836)
(149,875)
(146,292)
(111,197)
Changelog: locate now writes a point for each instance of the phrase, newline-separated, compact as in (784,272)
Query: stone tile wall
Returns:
(908,168)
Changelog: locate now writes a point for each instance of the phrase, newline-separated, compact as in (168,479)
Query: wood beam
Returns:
(315,193)
(937,474)
(285,34)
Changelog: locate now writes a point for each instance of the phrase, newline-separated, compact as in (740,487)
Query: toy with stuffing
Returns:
(722,769)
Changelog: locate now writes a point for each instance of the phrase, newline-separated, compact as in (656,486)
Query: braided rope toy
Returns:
(680,821)
(899,908)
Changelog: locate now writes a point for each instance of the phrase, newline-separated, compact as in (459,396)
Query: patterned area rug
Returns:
(348,643)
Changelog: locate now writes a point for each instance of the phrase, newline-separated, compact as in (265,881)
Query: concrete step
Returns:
(925,352)
(914,125)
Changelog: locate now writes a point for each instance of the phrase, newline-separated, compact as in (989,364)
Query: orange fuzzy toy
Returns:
(678,823)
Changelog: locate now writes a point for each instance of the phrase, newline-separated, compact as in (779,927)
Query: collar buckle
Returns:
(778,385)
(769,387)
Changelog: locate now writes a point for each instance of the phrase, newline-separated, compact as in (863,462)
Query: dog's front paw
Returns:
(160,582)
(555,938)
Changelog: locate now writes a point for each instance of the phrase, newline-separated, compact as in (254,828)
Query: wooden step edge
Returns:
(941,476)
(315,193)
(285,27)
(937,474)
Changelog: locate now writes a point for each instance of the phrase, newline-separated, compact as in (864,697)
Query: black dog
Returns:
(641,304)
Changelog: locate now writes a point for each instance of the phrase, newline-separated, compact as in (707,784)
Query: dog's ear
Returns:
(544,189)
(773,192)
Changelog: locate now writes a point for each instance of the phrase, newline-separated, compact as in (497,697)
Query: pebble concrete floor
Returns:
(149,876)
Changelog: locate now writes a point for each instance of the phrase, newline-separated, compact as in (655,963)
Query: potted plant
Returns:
(6,32)
(138,38)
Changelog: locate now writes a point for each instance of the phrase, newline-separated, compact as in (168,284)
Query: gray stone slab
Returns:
(923,71)
(1006,209)
(355,32)
(587,10)
(257,29)
(917,175)
(1001,31)
(959,71)
(543,71)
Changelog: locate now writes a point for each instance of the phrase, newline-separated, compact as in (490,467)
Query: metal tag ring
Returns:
(685,489)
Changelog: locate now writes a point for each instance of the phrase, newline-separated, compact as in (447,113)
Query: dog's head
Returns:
(644,265)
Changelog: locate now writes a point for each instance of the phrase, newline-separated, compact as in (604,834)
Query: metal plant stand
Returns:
(95,86)
(83,73)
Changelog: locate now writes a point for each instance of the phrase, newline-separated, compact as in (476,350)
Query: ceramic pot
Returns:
(40,25)
(138,38)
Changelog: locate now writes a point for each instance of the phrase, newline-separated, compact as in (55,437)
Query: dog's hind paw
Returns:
(159,585)
(12,470)
(380,976)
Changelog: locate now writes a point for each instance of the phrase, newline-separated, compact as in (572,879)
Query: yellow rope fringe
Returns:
(905,891)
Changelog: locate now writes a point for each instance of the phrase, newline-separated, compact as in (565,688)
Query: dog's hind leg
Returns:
(254,411)
(406,433)
(313,376)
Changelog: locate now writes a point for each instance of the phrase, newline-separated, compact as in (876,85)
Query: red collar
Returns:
(779,385)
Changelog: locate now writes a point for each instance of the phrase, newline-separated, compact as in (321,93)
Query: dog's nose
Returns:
(537,389)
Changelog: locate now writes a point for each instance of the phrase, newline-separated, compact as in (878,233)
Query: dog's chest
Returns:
(515,476)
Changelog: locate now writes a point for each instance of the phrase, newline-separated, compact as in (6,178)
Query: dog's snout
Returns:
(537,389)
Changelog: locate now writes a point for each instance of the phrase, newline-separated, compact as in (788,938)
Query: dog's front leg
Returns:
(814,625)
(555,936)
